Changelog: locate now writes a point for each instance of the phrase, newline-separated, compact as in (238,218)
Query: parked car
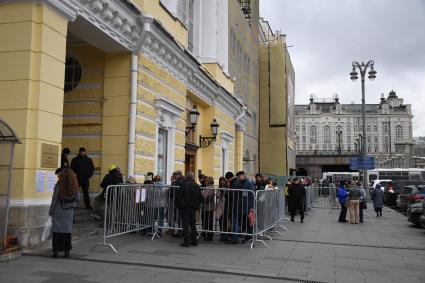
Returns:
(422,218)
(411,195)
(393,188)
(403,196)
(417,196)
(414,213)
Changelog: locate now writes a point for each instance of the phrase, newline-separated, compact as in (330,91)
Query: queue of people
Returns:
(231,205)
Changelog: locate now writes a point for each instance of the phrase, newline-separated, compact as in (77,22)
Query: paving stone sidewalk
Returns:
(320,250)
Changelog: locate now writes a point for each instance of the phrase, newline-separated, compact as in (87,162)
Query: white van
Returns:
(382,183)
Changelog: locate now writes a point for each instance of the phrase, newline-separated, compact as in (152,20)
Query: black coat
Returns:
(83,167)
(234,198)
(296,193)
(64,161)
(189,195)
(114,177)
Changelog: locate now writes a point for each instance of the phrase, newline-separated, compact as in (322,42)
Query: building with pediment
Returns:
(326,127)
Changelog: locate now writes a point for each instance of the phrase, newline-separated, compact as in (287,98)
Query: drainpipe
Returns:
(133,115)
(146,20)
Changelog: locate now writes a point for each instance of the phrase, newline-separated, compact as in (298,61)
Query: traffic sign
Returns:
(362,163)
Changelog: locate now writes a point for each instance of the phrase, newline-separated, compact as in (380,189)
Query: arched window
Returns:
(399,132)
(327,134)
(72,73)
(313,134)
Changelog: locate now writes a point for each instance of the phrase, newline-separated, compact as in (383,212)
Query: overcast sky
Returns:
(329,34)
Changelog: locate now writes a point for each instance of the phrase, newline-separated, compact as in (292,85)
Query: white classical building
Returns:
(327,125)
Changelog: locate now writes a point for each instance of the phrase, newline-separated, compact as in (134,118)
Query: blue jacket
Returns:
(342,195)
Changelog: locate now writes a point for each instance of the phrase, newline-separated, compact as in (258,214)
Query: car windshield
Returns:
(407,190)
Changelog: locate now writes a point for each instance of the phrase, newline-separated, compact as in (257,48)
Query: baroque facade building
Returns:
(327,126)
(120,78)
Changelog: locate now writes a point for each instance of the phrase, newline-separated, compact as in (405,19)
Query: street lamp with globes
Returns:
(354,75)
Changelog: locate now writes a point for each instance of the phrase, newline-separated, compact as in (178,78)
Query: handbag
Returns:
(47,232)
(363,205)
(68,203)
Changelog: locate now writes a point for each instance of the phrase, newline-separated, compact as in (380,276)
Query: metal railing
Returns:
(321,197)
(230,213)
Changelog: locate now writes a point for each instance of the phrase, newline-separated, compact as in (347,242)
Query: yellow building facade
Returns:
(277,94)
(118,78)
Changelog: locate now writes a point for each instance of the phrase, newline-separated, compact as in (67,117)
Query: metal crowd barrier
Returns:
(322,197)
(228,212)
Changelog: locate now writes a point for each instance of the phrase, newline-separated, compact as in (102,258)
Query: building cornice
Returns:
(123,22)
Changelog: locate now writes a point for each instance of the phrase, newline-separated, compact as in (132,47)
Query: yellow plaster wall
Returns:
(170,23)
(116,108)
(32,56)
(218,74)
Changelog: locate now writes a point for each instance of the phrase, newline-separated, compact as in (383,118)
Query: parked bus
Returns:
(396,174)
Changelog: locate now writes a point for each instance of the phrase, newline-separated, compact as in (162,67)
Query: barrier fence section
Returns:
(323,197)
(230,213)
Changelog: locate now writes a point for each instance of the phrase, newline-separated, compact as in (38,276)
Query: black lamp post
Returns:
(206,141)
(193,118)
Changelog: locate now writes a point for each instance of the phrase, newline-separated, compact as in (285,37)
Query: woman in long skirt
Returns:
(64,201)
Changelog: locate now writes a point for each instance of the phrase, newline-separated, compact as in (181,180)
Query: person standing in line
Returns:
(64,158)
(202,180)
(378,200)
(247,203)
(354,195)
(188,202)
(259,184)
(208,207)
(269,185)
(64,201)
(234,206)
(342,195)
(82,165)
(296,198)
(221,209)
(114,177)
(362,204)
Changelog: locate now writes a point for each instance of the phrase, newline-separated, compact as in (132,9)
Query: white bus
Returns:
(396,174)
(336,177)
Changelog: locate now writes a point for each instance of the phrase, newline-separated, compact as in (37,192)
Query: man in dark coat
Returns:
(177,180)
(188,201)
(247,202)
(259,183)
(82,165)
(296,198)
(234,205)
(114,177)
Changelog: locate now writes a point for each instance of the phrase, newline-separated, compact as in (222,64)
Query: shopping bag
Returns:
(251,217)
(47,232)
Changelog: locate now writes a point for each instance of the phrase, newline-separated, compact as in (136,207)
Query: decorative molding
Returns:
(167,113)
(164,50)
(113,17)
(226,139)
(137,32)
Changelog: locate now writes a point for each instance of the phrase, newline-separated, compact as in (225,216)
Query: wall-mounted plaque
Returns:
(49,155)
